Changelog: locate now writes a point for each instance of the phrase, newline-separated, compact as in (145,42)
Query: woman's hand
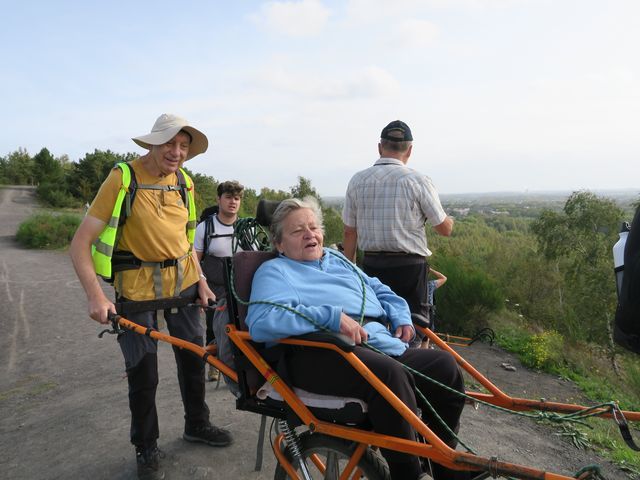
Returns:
(352,329)
(405,333)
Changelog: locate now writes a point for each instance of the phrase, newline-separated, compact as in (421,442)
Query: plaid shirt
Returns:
(389,205)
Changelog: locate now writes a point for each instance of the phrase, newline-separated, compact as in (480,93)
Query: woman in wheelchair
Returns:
(324,286)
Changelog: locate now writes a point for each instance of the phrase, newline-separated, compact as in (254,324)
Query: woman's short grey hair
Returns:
(285,208)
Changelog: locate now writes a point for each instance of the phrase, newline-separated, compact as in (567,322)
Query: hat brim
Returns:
(199,142)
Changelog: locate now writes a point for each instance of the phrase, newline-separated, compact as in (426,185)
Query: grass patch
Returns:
(605,439)
(48,230)
(590,367)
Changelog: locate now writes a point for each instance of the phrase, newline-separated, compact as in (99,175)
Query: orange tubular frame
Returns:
(501,399)
(433,448)
(207,354)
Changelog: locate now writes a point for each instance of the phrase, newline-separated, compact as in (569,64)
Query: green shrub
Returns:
(55,195)
(543,350)
(511,331)
(465,302)
(46,230)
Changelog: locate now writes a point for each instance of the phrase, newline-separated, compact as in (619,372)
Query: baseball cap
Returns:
(397,131)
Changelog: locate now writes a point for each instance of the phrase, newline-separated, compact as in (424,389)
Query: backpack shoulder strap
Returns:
(130,184)
(184,184)
(131,188)
(209,231)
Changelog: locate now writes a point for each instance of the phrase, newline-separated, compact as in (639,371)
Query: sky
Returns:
(501,95)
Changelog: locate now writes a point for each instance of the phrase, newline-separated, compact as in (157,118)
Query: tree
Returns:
(89,173)
(249,203)
(333,226)
(17,168)
(206,190)
(578,240)
(304,189)
(269,194)
(46,168)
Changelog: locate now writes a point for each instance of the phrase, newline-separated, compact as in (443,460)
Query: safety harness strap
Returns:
(127,261)
(157,273)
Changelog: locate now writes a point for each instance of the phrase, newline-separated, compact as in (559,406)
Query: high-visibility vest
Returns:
(102,249)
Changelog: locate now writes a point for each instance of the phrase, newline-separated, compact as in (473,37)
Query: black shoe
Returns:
(209,434)
(148,460)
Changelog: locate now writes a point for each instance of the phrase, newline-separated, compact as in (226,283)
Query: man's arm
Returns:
(80,251)
(445,228)
(350,242)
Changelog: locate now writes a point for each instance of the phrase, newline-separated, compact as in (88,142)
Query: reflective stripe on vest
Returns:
(102,249)
(191,206)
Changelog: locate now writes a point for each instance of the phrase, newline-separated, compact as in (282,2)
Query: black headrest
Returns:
(207,212)
(264,211)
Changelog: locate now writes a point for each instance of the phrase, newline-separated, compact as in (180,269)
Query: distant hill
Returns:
(536,200)
(621,196)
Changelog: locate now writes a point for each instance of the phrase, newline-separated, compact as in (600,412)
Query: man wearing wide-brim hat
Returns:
(152,257)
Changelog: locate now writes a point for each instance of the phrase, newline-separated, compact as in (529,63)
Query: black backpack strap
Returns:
(133,188)
(130,195)
(182,183)
(209,230)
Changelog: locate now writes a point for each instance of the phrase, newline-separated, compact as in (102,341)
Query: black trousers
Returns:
(324,371)
(141,361)
(210,335)
(406,275)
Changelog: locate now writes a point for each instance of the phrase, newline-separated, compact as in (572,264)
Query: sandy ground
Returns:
(63,403)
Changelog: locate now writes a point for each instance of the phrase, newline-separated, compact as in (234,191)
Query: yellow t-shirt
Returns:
(155,231)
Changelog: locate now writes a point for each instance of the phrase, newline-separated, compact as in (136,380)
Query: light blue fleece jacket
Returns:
(323,289)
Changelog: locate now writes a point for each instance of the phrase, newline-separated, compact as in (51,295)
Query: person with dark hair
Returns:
(213,241)
(150,256)
(321,284)
(386,209)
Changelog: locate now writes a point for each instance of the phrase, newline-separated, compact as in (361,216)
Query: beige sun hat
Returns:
(166,127)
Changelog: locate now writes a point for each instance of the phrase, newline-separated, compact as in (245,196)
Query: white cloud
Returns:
(297,19)
(371,81)
(369,11)
(414,33)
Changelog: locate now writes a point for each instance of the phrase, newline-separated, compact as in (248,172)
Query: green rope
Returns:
(248,234)
(575,417)
(364,344)
(592,472)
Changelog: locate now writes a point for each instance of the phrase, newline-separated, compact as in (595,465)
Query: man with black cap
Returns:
(385,212)
(150,255)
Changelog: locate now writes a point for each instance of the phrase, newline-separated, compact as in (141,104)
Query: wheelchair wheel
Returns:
(334,453)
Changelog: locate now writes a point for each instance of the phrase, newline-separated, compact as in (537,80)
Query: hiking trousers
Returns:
(141,361)
(326,372)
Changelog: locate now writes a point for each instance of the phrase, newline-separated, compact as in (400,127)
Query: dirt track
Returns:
(63,405)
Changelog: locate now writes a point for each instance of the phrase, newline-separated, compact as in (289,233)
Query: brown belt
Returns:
(392,254)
